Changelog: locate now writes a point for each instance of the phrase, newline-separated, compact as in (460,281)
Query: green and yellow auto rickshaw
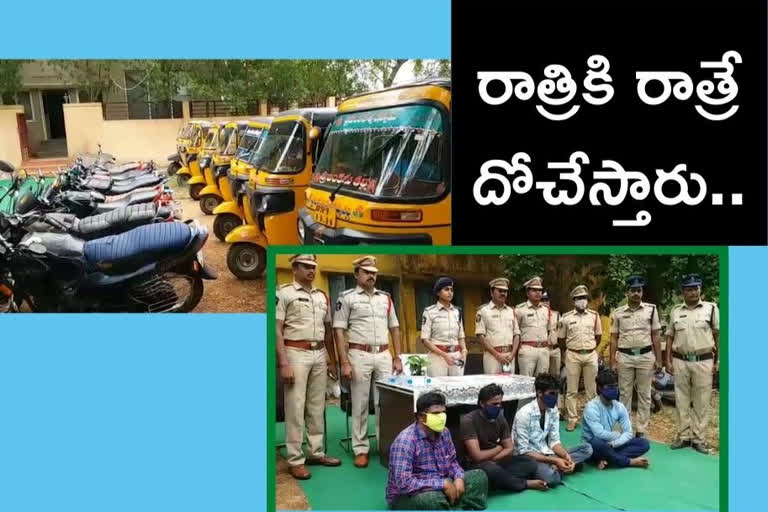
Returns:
(283,165)
(385,173)
(231,212)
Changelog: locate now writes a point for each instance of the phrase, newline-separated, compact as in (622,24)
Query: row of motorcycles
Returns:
(100,237)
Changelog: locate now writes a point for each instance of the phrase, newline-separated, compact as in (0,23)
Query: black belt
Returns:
(636,351)
(693,357)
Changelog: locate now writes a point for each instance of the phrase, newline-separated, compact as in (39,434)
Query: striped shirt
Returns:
(417,463)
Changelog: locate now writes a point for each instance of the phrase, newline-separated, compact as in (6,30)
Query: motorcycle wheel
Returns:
(208,203)
(224,223)
(246,261)
(194,190)
(182,179)
(172,168)
(162,294)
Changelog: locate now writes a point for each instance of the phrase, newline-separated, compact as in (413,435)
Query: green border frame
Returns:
(273,251)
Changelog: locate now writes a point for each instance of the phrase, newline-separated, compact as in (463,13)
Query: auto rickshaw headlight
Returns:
(301,230)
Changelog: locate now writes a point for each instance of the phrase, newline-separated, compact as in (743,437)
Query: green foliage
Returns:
(91,77)
(417,364)
(10,80)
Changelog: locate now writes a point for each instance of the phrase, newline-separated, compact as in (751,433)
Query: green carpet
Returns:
(676,480)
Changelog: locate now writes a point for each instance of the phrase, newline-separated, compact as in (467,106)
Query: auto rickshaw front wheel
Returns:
(182,179)
(172,168)
(208,203)
(246,261)
(224,223)
(194,190)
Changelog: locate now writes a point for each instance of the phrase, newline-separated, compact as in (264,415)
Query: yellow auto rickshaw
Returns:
(176,160)
(283,163)
(230,213)
(197,134)
(205,158)
(385,173)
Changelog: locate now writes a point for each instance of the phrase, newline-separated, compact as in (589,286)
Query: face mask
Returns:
(436,421)
(611,393)
(492,411)
(581,304)
(550,401)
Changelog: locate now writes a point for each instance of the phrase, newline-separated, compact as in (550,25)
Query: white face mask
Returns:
(580,304)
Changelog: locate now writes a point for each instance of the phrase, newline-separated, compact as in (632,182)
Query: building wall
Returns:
(10,147)
(84,124)
(141,139)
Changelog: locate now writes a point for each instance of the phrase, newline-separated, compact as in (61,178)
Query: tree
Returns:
(10,80)
(381,72)
(423,69)
(93,78)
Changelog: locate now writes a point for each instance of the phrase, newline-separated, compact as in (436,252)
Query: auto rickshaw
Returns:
(197,135)
(205,158)
(283,163)
(175,160)
(385,172)
(230,213)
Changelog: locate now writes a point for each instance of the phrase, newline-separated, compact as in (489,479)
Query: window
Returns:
(425,298)
(23,98)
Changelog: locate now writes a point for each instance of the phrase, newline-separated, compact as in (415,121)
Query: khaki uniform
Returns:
(367,320)
(579,330)
(536,326)
(499,325)
(304,315)
(634,328)
(691,329)
(444,328)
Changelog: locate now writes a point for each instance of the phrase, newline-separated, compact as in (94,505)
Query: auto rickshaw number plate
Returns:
(326,217)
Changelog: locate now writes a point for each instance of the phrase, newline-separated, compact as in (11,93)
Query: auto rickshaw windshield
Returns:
(212,139)
(228,141)
(395,152)
(282,150)
(248,142)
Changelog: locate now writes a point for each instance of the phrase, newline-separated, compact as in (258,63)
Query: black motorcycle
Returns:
(150,269)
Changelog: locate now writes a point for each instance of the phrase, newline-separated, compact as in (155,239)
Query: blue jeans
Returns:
(552,475)
(620,456)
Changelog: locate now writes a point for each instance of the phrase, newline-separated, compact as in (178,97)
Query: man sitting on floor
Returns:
(488,441)
(423,471)
(601,414)
(537,434)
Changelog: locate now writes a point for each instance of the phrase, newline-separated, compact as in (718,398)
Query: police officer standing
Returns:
(635,333)
(496,328)
(580,332)
(365,317)
(442,332)
(693,339)
(303,335)
(536,325)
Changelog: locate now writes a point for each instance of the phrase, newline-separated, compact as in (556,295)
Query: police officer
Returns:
(496,328)
(365,317)
(442,332)
(580,332)
(693,339)
(635,333)
(536,324)
(303,335)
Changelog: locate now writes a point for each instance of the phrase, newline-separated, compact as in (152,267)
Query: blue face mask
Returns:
(611,393)
(550,400)
(492,411)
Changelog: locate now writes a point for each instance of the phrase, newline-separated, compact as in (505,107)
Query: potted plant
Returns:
(418,367)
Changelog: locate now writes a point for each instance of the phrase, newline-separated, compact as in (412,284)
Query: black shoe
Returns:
(701,448)
(679,443)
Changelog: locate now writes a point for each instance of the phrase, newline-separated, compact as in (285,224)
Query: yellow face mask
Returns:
(436,421)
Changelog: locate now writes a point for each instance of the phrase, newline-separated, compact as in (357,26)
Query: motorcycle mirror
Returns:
(7,167)
(37,248)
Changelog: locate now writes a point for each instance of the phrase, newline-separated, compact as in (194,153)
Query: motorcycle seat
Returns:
(139,245)
(145,180)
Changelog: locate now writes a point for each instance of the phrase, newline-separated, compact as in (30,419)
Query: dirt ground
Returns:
(289,496)
(226,294)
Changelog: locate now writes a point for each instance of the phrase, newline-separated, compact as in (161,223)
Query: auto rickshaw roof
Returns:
(321,117)
(434,89)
